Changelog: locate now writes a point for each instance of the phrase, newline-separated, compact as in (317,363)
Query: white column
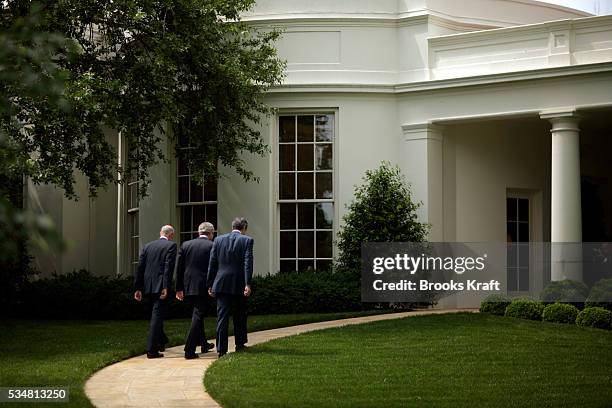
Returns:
(422,165)
(566,207)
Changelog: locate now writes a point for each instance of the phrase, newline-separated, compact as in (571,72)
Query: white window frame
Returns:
(275,137)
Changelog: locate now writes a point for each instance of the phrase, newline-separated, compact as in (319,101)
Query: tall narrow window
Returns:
(133,230)
(517,228)
(305,196)
(196,202)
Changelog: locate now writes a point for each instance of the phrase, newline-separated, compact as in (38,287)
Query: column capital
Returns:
(416,131)
(562,119)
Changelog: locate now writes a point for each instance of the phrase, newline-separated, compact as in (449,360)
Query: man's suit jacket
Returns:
(231,264)
(155,266)
(193,266)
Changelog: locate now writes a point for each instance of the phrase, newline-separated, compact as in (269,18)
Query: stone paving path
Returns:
(173,381)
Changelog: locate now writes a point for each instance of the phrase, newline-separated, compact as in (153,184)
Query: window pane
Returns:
(512,256)
(288,266)
(185,237)
(324,185)
(306,244)
(511,209)
(305,157)
(286,126)
(324,128)
(305,216)
(305,187)
(287,186)
(512,232)
(324,157)
(523,279)
(324,244)
(199,216)
(325,215)
(323,265)
(305,265)
(287,244)
(287,157)
(197,192)
(523,209)
(182,140)
(523,228)
(287,216)
(523,255)
(512,279)
(210,189)
(305,128)
(183,168)
(186,219)
(211,214)
(183,189)
(129,194)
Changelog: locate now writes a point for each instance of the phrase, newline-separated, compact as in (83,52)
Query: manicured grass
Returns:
(66,353)
(429,361)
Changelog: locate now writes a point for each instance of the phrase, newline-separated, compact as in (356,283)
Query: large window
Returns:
(133,231)
(305,197)
(197,202)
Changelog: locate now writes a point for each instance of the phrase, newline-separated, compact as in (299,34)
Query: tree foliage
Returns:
(382,211)
(27,71)
(146,68)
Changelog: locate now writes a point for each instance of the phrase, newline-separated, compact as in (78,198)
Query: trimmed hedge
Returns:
(565,291)
(81,295)
(601,295)
(495,304)
(597,317)
(560,313)
(525,309)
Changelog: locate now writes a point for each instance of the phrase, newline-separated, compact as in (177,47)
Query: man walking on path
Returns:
(229,280)
(191,285)
(153,278)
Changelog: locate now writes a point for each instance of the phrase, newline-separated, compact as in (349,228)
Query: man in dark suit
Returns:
(191,284)
(153,278)
(229,280)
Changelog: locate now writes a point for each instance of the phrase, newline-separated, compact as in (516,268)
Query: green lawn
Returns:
(440,361)
(66,353)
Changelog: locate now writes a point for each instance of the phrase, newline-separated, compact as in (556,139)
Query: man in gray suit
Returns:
(229,280)
(153,278)
(191,284)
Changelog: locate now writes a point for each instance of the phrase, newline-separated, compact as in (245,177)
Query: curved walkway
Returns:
(173,381)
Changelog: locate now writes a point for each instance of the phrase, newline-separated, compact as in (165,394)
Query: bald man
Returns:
(152,279)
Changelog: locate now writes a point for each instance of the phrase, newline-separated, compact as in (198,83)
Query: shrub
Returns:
(305,292)
(597,317)
(565,291)
(560,313)
(525,309)
(495,304)
(382,211)
(81,295)
(601,295)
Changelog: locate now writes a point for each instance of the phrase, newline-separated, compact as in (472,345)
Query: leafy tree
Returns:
(27,72)
(382,211)
(141,67)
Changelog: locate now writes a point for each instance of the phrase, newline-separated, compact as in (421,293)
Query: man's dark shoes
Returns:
(221,354)
(207,347)
(191,356)
(241,348)
(154,355)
